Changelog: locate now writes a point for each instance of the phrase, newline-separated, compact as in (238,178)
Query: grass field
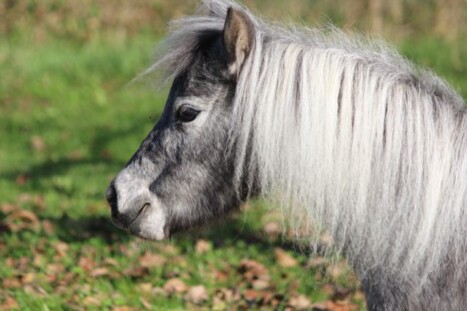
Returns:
(69,121)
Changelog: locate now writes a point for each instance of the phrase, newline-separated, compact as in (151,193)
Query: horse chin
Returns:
(150,225)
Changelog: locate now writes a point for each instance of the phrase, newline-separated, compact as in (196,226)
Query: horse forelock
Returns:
(350,137)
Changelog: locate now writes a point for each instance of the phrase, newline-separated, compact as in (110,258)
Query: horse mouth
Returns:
(126,222)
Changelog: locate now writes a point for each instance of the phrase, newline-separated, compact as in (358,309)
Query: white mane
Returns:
(353,139)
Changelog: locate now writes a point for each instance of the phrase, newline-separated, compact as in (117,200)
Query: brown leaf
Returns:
(7,208)
(111,262)
(23,219)
(28,278)
(284,259)
(300,302)
(197,294)
(86,263)
(123,308)
(158,291)
(336,270)
(252,270)
(145,287)
(91,301)
(145,303)
(150,260)
(175,285)
(9,304)
(55,268)
(252,295)
(316,262)
(136,272)
(11,283)
(203,246)
(48,227)
(98,272)
(34,289)
(227,294)
(334,306)
(272,229)
(260,284)
(61,248)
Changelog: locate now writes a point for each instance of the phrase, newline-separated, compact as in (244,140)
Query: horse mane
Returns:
(351,138)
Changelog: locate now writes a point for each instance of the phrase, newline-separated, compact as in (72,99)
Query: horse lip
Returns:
(127,226)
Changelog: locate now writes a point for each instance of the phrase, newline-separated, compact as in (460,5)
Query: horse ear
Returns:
(238,39)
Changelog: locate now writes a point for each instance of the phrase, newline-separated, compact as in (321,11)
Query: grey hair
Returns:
(351,138)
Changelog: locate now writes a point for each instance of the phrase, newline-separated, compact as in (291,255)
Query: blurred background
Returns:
(69,121)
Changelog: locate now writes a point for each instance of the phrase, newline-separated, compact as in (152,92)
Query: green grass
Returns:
(68,123)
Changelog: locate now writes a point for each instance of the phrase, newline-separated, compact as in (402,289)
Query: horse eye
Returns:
(187,114)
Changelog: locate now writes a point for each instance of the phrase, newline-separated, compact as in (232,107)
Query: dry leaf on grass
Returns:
(123,308)
(284,259)
(150,260)
(175,285)
(22,219)
(197,294)
(136,272)
(203,246)
(9,304)
(272,229)
(253,270)
(300,302)
(98,272)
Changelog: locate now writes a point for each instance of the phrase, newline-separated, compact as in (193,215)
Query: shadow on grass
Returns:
(230,231)
(98,145)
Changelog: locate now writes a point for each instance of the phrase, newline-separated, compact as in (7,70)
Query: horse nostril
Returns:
(111,196)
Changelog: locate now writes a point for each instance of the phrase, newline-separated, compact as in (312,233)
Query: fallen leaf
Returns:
(28,278)
(53,271)
(145,303)
(7,208)
(197,294)
(48,227)
(150,260)
(98,272)
(137,272)
(9,304)
(123,308)
(272,229)
(175,285)
(61,248)
(91,301)
(145,287)
(111,262)
(253,270)
(34,289)
(316,262)
(22,219)
(158,291)
(203,246)
(300,302)
(11,283)
(86,263)
(260,284)
(284,259)
(336,270)
(252,295)
(227,294)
